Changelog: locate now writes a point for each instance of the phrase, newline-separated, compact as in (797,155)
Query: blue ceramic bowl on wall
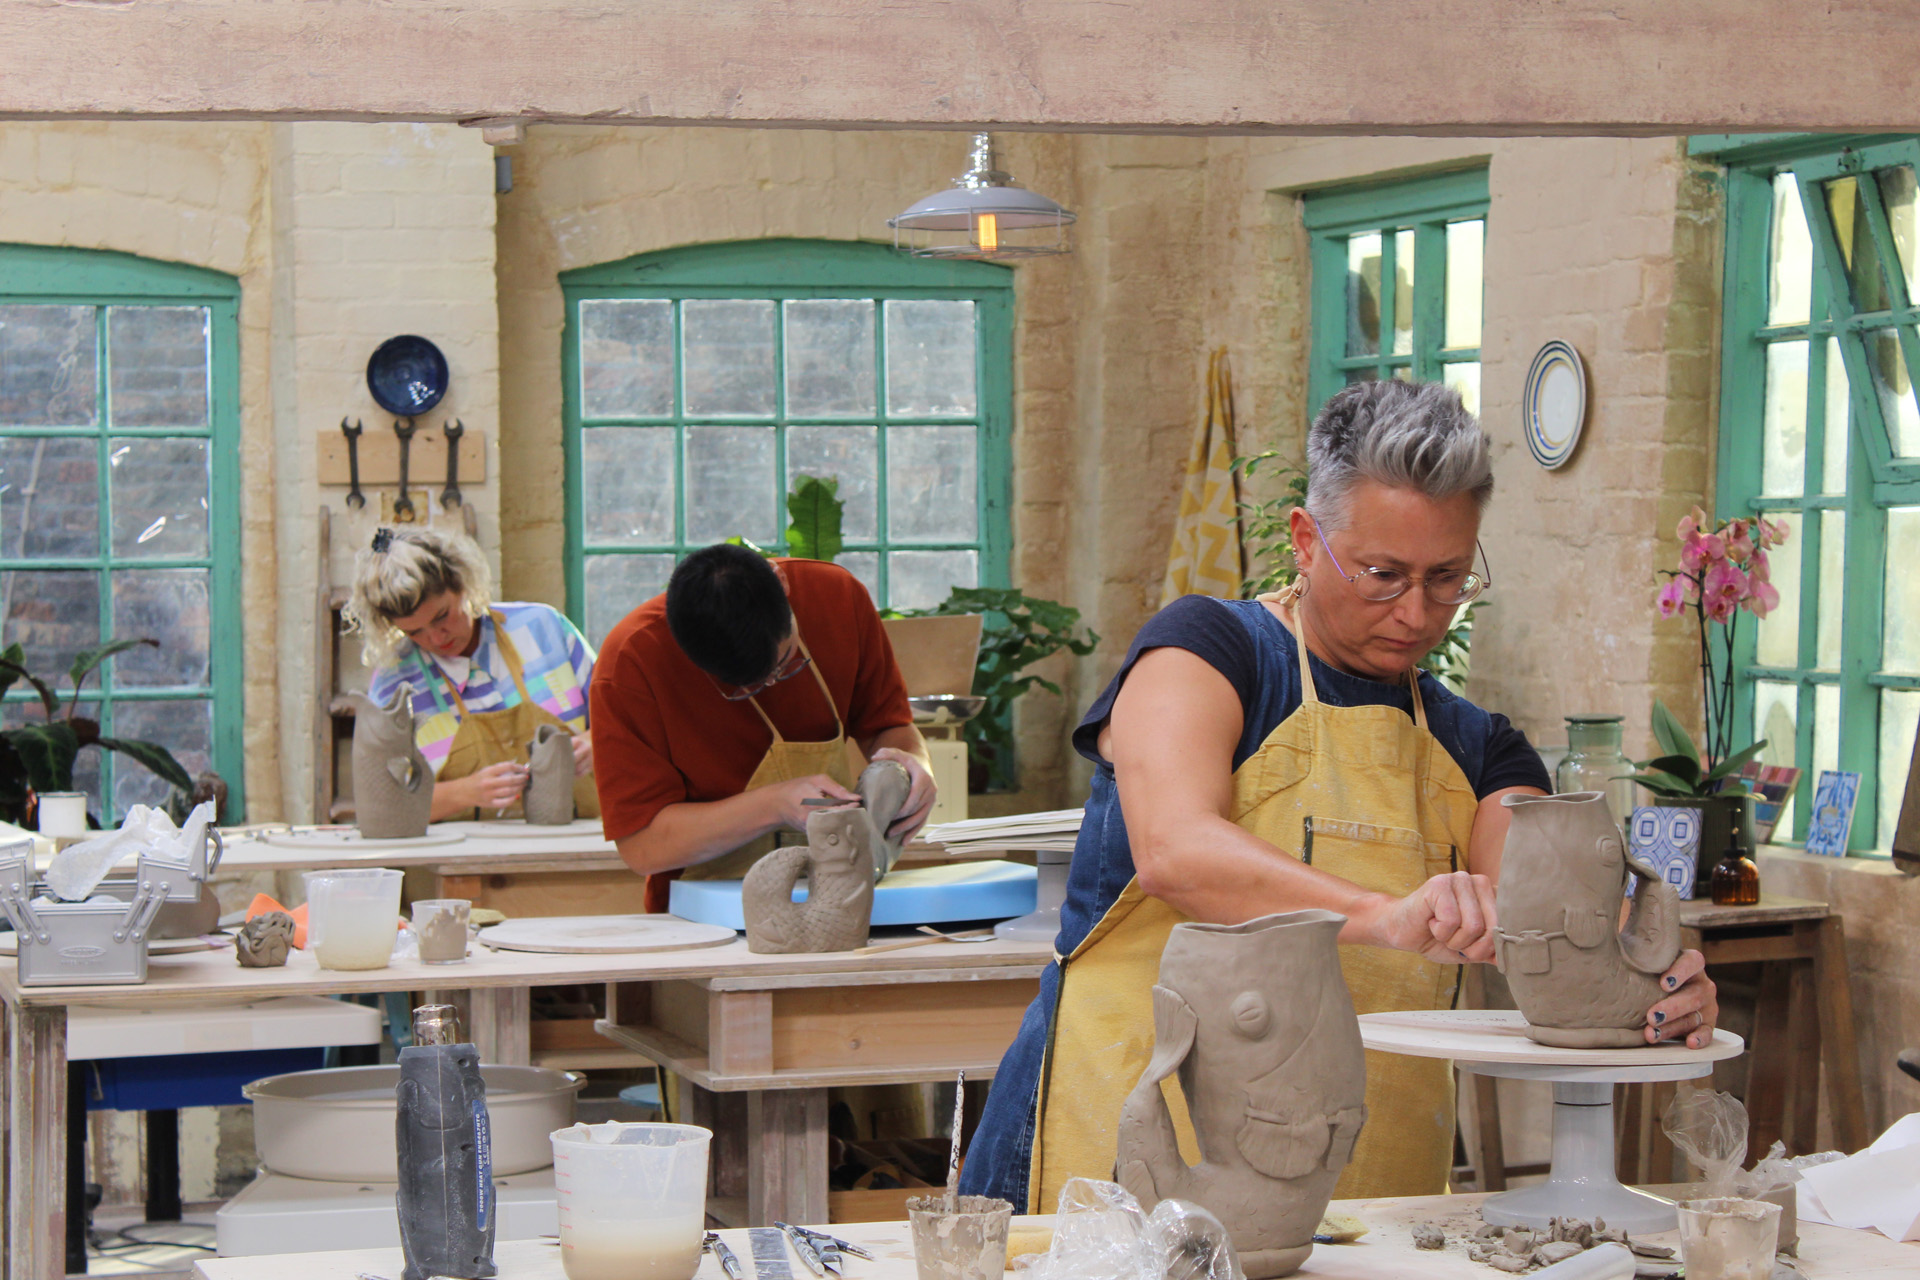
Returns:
(407,375)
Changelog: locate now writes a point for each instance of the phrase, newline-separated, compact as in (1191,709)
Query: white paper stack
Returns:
(1877,1189)
(1052,832)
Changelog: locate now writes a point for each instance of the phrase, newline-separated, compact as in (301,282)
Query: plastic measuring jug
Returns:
(353,917)
(632,1198)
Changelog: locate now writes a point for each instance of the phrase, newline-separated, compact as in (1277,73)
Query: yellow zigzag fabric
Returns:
(1205,558)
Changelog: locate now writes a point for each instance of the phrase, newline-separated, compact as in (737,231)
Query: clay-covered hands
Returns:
(1691,1010)
(785,801)
(495,787)
(1449,919)
(920,797)
(582,754)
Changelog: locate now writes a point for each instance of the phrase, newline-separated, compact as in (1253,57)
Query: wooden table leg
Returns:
(501,1031)
(37,1144)
(1768,1059)
(1803,1071)
(786,1156)
(1839,1054)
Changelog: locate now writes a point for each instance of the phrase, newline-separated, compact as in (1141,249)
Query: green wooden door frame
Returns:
(782,269)
(43,275)
(1331,216)
(1876,478)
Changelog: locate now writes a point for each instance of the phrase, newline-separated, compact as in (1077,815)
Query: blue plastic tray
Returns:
(914,895)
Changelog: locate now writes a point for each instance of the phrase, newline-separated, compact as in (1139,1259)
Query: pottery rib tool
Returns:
(953,1156)
(769,1248)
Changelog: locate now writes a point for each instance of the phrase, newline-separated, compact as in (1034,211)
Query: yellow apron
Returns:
(494,737)
(1362,793)
(836,757)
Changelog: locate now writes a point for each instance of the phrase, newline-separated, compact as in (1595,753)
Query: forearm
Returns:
(688,833)
(450,800)
(903,737)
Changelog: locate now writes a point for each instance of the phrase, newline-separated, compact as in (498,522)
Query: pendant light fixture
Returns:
(984,215)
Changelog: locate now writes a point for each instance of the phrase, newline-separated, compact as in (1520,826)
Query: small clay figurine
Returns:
(1257,1021)
(548,799)
(392,783)
(263,941)
(1581,980)
(838,863)
(883,787)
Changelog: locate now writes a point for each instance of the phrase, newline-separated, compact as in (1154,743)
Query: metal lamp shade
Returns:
(992,217)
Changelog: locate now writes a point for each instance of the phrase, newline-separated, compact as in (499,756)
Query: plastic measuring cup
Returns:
(633,1200)
(353,917)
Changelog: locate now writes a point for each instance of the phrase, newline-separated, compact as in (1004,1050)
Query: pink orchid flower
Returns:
(1739,540)
(1765,598)
(1694,553)
(1774,532)
(1673,597)
(1760,567)
(1725,587)
(1691,523)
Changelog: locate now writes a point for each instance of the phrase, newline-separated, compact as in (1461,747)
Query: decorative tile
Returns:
(1667,840)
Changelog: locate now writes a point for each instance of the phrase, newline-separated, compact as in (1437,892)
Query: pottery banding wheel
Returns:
(343,838)
(608,935)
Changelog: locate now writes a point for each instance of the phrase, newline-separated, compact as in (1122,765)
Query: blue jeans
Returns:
(1001,1155)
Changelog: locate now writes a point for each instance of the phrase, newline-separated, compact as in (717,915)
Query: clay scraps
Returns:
(1521,1249)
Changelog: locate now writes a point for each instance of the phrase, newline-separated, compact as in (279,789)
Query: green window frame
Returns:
(816,312)
(1820,426)
(1427,326)
(146,579)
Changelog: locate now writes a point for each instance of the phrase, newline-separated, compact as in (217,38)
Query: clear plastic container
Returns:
(1729,1239)
(632,1198)
(353,917)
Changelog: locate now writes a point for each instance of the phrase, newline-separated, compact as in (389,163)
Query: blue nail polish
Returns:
(1672,982)
(1658,1018)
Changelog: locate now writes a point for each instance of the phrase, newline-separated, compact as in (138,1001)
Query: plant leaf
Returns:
(1664,784)
(87,660)
(155,757)
(1735,762)
(1686,768)
(14,671)
(47,750)
(816,512)
(1672,736)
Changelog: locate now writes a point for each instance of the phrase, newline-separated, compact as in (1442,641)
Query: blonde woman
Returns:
(484,675)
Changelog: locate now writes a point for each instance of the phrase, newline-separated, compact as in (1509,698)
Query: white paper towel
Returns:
(1878,1189)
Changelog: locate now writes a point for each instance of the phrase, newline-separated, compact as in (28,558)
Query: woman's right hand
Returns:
(495,787)
(1449,920)
(784,799)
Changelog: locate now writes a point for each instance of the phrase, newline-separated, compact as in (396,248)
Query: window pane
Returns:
(617,585)
(86,766)
(159,492)
(1403,292)
(1895,390)
(627,485)
(1899,722)
(1856,244)
(626,358)
(1826,728)
(1900,647)
(850,455)
(53,614)
(930,359)
(932,490)
(184,728)
(864,565)
(729,357)
(829,357)
(1363,295)
(1777,641)
(49,497)
(1790,256)
(168,605)
(1775,708)
(731,490)
(1897,193)
(922,579)
(158,357)
(1839,423)
(48,374)
(1465,248)
(1465,379)
(1361,375)
(1783,421)
(1833,548)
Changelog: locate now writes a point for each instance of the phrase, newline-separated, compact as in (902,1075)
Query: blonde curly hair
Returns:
(399,573)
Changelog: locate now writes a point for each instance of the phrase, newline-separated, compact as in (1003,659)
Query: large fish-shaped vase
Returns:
(1582,981)
(1255,1021)
(392,783)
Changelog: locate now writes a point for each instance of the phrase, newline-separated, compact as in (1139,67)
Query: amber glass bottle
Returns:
(1736,881)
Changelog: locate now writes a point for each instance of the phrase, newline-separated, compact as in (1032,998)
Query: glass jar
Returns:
(1594,762)
(1736,881)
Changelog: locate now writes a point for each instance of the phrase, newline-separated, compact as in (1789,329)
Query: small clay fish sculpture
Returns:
(1256,1020)
(838,863)
(548,798)
(263,942)
(392,782)
(1581,980)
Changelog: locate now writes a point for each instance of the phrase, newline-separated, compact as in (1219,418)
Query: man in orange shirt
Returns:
(720,707)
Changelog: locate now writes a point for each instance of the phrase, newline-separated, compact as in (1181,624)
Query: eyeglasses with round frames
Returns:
(796,662)
(1448,587)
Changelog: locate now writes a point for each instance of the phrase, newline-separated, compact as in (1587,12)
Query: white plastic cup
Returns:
(1729,1239)
(62,813)
(440,927)
(632,1198)
(353,917)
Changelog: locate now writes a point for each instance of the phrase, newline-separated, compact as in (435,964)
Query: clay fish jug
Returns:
(838,863)
(1256,1020)
(1581,980)
(548,798)
(883,787)
(392,783)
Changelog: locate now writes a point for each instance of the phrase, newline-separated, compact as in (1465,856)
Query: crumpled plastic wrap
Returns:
(1101,1233)
(1712,1129)
(77,871)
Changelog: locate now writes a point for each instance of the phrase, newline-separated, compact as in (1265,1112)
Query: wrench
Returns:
(355,498)
(450,496)
(403,505)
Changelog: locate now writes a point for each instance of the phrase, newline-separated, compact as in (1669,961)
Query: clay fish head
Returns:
(837,839)
(384,731)
(1562,853)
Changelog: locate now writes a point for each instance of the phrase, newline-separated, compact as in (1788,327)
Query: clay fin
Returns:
(403,771)
(1174,1025)
(1651,941)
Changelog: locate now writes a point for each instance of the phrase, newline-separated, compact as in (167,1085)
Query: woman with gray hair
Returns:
(1282,754)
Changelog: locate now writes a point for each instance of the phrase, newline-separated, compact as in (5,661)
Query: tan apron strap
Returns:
(1419,707)
(839,729)
(1308,695)
(768,720)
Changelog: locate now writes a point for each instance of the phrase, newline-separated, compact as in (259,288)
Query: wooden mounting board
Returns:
(380,457)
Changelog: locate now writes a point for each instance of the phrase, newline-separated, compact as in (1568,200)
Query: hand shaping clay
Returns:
(883,787)
(838,863)
(1257,1021)
(263,941)
(1581,981)
(392,783)
(548,800)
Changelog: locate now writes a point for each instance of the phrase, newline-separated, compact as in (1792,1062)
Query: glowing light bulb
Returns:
(986,232)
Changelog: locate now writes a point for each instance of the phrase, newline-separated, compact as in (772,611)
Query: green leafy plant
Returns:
(815,508)
(1019,631)
(1679,772)
(39,756)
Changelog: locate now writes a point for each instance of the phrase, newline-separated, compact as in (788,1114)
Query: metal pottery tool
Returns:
(355,498)
(769,1248)
(804,1247)
(728,1261)
(403,512)
(839,1245)
(450,496)
(953,1156)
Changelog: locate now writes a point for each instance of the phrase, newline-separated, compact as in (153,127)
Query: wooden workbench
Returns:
(36,1031)
(1386,1252)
